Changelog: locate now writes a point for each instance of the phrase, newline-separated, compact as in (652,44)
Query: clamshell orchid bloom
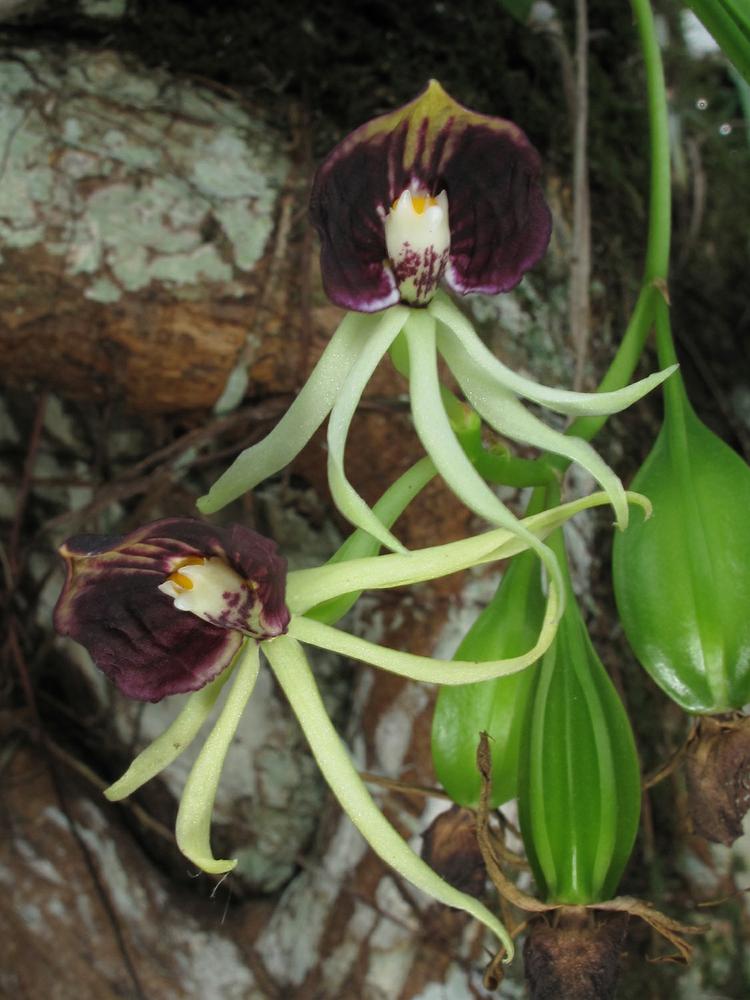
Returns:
(182,606)
(431,191)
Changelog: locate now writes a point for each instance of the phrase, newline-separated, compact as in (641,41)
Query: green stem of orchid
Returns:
(293,673)
(193,827)
(660,212)
(660,204)
(659,234)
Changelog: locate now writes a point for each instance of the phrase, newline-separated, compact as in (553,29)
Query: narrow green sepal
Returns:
(175,739)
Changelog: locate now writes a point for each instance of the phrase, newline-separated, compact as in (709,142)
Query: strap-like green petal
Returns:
(289,664)
(423,668)
(504,411)
(176,738)
(346,498)
(301,420)
(193,828)
(560,400)
(308,587)
(436,434)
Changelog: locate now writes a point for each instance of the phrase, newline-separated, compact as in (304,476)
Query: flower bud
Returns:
(682,578)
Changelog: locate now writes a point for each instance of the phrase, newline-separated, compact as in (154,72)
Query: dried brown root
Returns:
(717,767)
(574,954)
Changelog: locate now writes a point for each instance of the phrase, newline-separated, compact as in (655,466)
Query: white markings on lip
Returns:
(215,592)
(417,238)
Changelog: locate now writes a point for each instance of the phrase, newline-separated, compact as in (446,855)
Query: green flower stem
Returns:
(504,469)
(193,827)
(659,235)
(293,673)
(660,204)
(172,742)
(660,212)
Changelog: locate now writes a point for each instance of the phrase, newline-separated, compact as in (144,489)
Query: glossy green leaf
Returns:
(507,627)
(682,578)
(579,779)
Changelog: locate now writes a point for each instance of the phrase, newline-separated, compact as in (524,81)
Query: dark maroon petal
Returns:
(257,558)
(350,192)
(500,224)
(137,637)
(111,603)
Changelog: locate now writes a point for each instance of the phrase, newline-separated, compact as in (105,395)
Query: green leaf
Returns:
(682,578)
(507,627)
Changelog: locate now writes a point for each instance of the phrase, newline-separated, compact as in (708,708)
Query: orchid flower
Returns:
(181,606)
(432,191)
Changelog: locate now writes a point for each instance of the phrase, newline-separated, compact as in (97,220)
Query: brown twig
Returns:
(664,770)
(14,537)
(579,309)
(92,778)
(403,786)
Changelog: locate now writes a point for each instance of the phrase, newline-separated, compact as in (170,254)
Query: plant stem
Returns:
(660,208)
(656,267)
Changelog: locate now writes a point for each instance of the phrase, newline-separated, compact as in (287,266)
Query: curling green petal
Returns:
(503,411)
(172,742)
(301,420)
(440,443)
(560,400)
(193,828)
(360,543)
(308,587)
(289,664)
(424,668)
(346,498)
